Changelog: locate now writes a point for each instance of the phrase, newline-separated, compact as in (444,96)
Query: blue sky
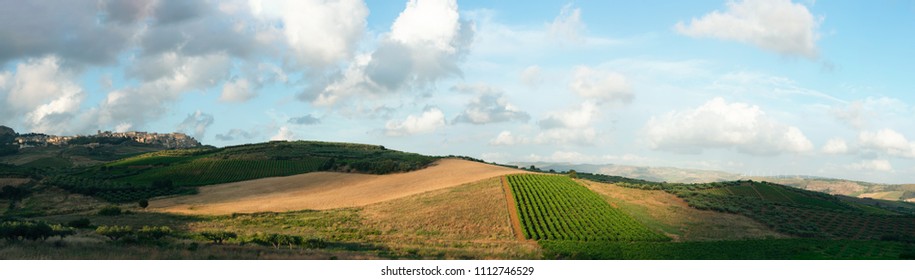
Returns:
(752,87)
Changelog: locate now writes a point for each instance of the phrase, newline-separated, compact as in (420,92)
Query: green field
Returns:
(766,249)
(791,211)
(778,194)
(209,171)
(557,208)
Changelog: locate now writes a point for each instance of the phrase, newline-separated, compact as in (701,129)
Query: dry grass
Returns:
(667,213)
(86,250)
(14,181)
(894,195)
(326,190)
(54,201)
(469,221)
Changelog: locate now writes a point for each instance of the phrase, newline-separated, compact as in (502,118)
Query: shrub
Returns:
(15,230)
(314,244)
(114,232)
(217,237)
(277,240)
(153,233)
(14,193)
(80,223)
(110,210)
(62,231)
(143,203)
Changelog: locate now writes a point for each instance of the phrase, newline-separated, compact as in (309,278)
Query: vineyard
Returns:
(788,210)
(209,171)
(852,225)
(778,194)
(557,208)
(765,249)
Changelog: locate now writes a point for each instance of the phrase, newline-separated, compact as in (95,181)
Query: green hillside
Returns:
(788,210)
(763,249)
(178,171)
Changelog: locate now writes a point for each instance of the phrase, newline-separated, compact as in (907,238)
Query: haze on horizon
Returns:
(758,87)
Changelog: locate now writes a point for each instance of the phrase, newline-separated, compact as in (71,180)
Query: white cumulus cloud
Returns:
(579,117)
(888,142)
(236,91)
(881,165)
(506,138)
(196,124)
(567,25)
(319,32)
(775,25)
(45,95)
(426,42)
(862,114)
(489,106)
(284,134)
(136,105)
(427,23)
(430,120)
(572,126)
(532,76)
(719,124)
(601,86)
(835,146)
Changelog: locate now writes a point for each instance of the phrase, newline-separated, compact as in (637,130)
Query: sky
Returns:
(756,87)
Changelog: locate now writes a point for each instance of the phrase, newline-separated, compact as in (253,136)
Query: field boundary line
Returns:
(757,192)
(512,209)
(780,191)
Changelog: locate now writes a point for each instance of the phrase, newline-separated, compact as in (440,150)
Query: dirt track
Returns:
(512,209)
(326,190)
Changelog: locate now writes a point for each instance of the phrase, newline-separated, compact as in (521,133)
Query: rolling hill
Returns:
(326,190)
(306,200)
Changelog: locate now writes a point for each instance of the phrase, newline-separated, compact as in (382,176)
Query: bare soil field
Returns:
(326,190)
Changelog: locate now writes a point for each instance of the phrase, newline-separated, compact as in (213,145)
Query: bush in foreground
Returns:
(217,237)
(153,233)
(27,230)
(114,232)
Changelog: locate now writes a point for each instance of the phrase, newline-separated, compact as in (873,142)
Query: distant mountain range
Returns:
(656,174)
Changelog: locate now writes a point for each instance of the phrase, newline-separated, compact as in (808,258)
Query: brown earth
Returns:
(326,190)
(512,209)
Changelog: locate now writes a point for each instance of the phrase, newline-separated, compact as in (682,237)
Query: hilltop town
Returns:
(167,140)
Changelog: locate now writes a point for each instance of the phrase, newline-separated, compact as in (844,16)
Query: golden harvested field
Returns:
(467,221)
(326,190)
(894,195)
(668,213)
